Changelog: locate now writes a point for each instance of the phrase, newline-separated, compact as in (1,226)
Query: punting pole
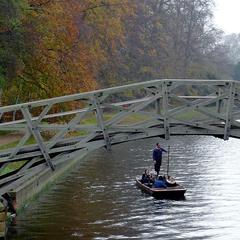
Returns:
(168,160)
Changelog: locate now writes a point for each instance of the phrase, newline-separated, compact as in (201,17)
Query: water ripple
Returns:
(99,200)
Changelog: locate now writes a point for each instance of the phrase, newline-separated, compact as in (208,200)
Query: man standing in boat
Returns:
(157,157)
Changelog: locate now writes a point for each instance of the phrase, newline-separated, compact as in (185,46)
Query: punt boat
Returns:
(172,191)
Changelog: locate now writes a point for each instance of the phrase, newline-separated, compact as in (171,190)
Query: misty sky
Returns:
(227,15)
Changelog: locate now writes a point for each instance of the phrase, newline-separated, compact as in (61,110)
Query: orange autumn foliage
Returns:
(67,43)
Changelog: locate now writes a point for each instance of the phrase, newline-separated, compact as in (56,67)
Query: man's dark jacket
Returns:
(157,154)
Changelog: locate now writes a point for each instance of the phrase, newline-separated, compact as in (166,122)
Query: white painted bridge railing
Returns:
(49,134)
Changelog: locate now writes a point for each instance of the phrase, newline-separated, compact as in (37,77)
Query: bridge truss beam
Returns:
(51,135)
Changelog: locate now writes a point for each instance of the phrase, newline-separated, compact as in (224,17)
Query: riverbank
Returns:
(9,137)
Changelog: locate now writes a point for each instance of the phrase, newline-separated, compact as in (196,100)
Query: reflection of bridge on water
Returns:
(110,116)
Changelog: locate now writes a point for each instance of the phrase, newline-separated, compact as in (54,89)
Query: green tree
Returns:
(169,39)
(236,72)
(12,13)
(232,43)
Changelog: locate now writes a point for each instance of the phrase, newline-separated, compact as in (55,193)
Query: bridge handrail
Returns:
(87,95)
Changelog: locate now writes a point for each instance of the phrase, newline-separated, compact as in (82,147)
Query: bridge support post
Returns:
(219,104)
(230,102)
(165,110)
(158,106)
(101,122)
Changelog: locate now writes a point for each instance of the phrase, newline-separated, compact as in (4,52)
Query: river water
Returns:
(99,199)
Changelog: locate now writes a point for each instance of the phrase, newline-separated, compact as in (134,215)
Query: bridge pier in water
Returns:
(60,131)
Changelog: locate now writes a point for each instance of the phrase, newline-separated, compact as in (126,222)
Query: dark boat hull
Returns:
(175,192)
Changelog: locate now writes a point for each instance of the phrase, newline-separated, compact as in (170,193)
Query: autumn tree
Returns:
(69,44)
(11,41)
(52,48)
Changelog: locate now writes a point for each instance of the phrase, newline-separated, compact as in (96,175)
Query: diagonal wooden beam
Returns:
(20,144)
(44,113)
(217,116)
(101,122)
(66,129)
(32,126)
(192,105)
(132,109)
(28,134)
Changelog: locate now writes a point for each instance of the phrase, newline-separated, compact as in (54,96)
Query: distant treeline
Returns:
(51,48)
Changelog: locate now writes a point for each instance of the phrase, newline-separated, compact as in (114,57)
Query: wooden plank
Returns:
(35,132)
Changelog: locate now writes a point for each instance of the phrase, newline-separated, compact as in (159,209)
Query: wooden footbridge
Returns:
(54,132)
